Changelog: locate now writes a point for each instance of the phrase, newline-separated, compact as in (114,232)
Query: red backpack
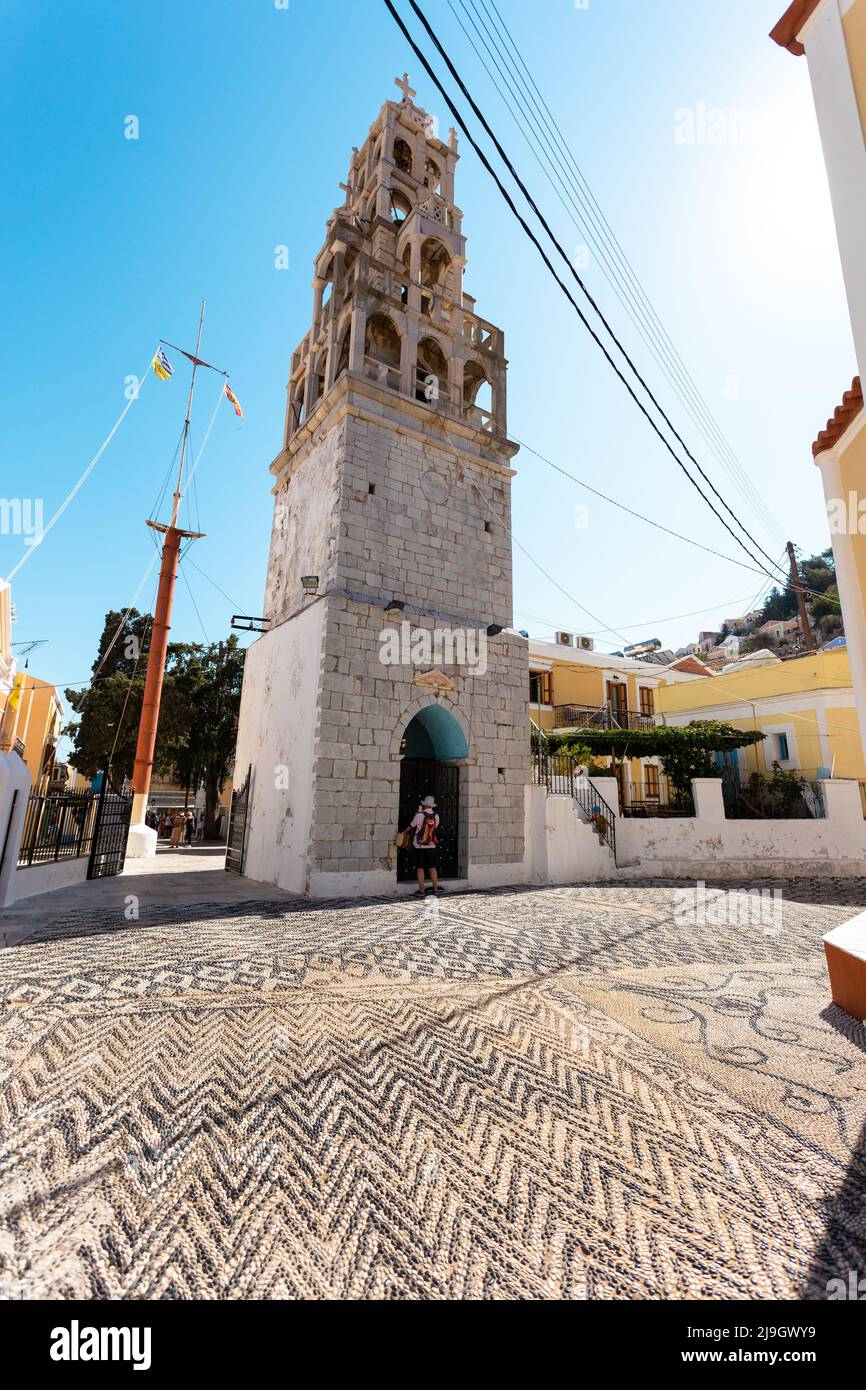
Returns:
(427,833)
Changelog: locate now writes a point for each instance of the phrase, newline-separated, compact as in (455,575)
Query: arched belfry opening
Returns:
(433,750)
(431,371)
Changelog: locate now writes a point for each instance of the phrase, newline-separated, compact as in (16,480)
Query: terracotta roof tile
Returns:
(792,21)
(691,666)
(852,404)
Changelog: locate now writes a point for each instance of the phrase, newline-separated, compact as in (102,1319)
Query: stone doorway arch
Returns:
(433,753)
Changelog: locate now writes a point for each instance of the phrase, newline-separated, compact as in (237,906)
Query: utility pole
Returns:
(805,625)
(140,843)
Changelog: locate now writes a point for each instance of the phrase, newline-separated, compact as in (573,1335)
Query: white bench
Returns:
(845,949)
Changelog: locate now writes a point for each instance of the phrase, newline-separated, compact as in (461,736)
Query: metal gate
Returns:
(110,831)
(420,777)
(236,840)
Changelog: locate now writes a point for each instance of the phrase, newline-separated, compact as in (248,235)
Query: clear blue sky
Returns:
(247,117)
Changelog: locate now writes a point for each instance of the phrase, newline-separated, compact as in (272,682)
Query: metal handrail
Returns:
(562,775)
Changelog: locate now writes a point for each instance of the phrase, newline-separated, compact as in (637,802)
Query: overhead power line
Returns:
(689,540)
(587,216)
(534,239)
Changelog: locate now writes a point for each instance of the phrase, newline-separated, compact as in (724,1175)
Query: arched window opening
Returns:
(319,378)
(477,393)
(431,371)
(402,155)
(382,341)
(400,207)
(435,261)
(298,404)
(343,359)
(432,176)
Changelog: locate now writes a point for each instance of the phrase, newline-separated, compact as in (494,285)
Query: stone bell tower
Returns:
(389,670)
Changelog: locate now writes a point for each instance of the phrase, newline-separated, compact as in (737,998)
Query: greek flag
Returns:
(162,368)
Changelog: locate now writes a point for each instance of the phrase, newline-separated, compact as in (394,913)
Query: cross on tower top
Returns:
(403,84)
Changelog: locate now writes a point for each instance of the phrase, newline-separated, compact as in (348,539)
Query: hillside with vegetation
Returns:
(818,575)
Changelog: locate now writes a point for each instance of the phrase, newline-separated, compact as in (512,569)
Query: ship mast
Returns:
(153,683)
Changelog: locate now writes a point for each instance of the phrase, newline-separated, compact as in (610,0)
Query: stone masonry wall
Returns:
(364,709)
(421,536)
(306,525)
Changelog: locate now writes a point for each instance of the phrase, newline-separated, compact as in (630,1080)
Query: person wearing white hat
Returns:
(425,845)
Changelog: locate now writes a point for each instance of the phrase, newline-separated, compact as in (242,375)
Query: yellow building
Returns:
(31,723)
(804,706)
(574,687)
(832,35)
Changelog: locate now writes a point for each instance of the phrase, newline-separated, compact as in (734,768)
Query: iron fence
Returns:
(57,826)
(797,800)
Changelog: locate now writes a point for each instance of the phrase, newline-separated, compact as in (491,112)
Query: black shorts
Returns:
(425,858)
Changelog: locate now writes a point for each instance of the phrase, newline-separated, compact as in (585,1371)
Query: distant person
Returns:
(425,845)
(177,830)
(189,828)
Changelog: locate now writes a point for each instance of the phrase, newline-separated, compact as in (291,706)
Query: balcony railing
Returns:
(642,799)
(383,372)
(604,717)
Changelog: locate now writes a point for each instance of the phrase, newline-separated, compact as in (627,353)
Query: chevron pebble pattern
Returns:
(536,1094)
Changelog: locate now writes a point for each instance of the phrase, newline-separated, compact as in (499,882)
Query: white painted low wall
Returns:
(276,737)
(560,846)
(48,878)
(709,846)
(14,791)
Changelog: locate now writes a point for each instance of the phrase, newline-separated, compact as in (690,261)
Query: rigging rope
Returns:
(85,475)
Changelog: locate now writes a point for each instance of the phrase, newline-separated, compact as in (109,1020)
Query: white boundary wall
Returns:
(14,777)
(560,846)
(47,878)
(709,846)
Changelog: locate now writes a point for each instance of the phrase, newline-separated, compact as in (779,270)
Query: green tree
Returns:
(208,681)
(110,707)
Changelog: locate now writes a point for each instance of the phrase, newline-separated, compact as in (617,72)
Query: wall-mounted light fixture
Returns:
(494,630)
(394,608)
(310,583)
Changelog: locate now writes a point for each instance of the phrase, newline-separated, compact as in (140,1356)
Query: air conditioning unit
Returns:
(587,644)
(565,639)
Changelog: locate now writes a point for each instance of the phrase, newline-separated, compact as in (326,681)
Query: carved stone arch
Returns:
(343,339)
(400,206)
(402,154)
(435,262)
(414,707)
(433,175)
(431,361)
(297,412)
(475,378)
(382,339)
(318,376)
